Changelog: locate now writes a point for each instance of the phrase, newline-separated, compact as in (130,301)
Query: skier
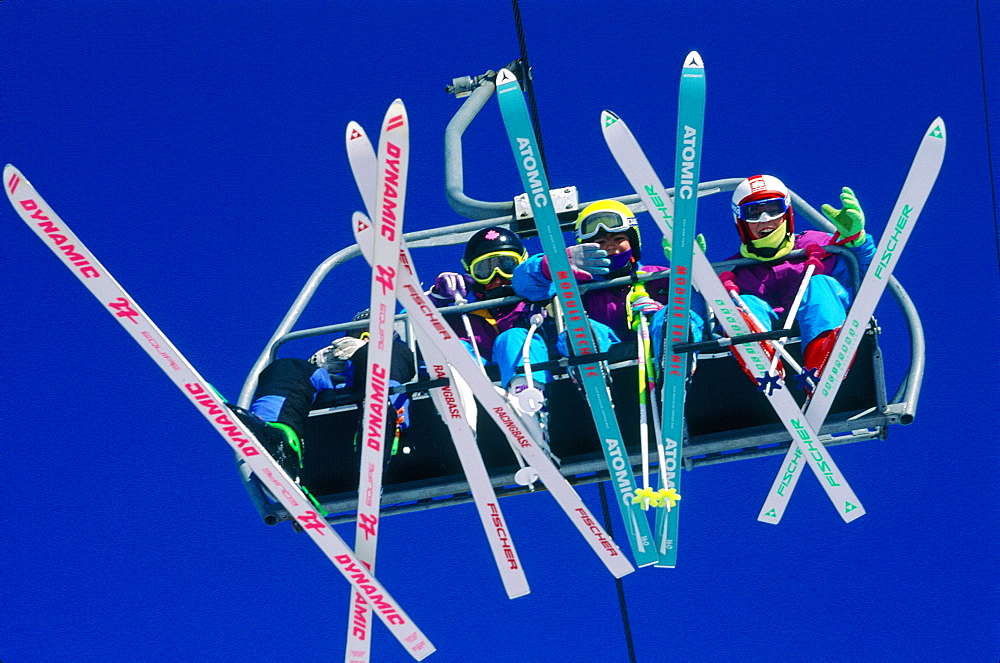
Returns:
(288,388)
(762,210)
(498,333)
(608,247)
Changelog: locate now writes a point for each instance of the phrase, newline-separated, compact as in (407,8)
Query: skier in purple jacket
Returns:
(763,214)
(608,247)
(499,332)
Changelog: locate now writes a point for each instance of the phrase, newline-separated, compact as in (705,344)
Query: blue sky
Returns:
(197,148)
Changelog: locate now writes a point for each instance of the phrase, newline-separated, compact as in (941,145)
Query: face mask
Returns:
(620,260)
(772,247)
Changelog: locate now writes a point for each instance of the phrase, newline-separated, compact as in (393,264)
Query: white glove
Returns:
(590,258)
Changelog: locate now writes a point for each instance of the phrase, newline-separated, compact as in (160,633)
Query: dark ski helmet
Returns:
(764,196)
(491,251)
(610,216)
(361,333)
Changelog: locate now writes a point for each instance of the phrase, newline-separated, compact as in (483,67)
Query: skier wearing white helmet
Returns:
(762,210)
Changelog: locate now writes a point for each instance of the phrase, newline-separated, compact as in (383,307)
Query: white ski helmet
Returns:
(764,196)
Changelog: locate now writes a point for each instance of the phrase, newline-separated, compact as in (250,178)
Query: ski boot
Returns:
(531,406)
(814,359)
(279,441)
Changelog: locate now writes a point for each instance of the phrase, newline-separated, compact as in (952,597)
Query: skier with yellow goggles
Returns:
(499,332)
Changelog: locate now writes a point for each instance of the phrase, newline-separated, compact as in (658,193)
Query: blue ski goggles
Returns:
(609,222)
(485,268)
(755,209)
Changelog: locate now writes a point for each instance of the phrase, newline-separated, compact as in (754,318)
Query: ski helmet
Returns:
(493,251)
(361,332)
(334,357)
(764,197)
(610,216)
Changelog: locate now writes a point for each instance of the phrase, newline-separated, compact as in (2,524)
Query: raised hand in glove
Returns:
(590,258)
(450,285)
(700,239)
(849,221)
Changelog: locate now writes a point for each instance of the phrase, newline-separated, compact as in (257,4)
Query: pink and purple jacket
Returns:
(486,324)
(777,283)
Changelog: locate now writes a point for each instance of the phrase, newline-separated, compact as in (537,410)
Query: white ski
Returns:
(446,400)
(390,194)
(57,236)
(424,314)
(916,188)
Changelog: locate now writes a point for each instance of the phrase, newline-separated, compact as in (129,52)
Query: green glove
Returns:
(850,220)
(700,239)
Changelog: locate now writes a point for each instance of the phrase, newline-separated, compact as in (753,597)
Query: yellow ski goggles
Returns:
(485,268)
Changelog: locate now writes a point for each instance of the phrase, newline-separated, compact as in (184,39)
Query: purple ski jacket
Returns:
(777,283)
(486,324)
(608,306)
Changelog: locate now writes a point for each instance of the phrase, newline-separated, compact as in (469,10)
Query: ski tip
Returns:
(395,115)
(936,130)
(608,118)
(693,61)
(354,131)
(360,223)
(12,178)
(505,76)
(771,517)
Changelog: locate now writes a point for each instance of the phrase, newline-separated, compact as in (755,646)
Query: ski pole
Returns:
(812,264)
(530,399)
(524,476)
(644,360)
(734,292)
(643,404)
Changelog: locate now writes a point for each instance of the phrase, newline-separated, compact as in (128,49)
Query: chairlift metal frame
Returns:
(867,423)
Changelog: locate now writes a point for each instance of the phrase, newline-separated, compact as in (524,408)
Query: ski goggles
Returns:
(753,211)
(608,222)
(485,268)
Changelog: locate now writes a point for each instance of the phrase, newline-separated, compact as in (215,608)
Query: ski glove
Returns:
(729,282)
(449,285)
(644,304)
(589,257)
(849,221)
(699,239)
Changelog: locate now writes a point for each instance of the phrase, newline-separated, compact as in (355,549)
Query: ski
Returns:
(533,176)
(365,168)
(660,204)
(390,195)
(916,189)
(57,236)
(425,315)
(687,168)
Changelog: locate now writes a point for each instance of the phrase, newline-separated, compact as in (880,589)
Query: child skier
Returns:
(498,333)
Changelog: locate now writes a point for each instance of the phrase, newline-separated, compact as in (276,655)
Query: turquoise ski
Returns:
(687,169)
(522,141)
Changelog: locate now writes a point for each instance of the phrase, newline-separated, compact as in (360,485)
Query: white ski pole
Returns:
(525,476)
